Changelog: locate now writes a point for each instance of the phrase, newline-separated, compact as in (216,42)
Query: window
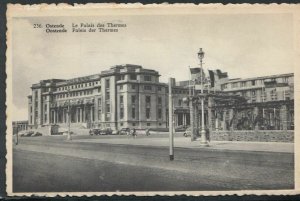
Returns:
(234,85)
(30,109)
(159,88)
(107,94)
(133,124)
(253,93)
(107,107)
(45,118)
(159,113)
(90,84)
(148,99)
(99,103)
(133,113)
(107,83)
(121,87)
(121,113)
(147,78)
(99,89)
(285,79)
(179,102)
(133,86)
(243,84)
(147,87)
(253,82)
(148,124)
(121,100)
(159,101)
(148,113)
(99,115)
(133,99)
(45,107)
(132,77)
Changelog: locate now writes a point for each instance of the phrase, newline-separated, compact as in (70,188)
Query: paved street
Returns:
(96,164)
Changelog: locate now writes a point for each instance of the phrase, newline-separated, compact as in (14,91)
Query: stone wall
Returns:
(251,135)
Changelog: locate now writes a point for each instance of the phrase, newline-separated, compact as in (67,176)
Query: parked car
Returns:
(25,133)
(107,131)
(125,131)
(188,132)
(115,132)
(35,134)
(95,131)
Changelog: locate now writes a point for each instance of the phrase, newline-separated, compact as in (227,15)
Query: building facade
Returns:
(131,96)
(19,126)
(123,96)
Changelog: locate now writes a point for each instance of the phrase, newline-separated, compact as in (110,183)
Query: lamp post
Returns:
(69,114)
(171,121)
(203,135)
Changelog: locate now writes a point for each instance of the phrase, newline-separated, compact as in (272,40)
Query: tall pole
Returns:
(171,121)
(203,135)
(69,115)
(191,110)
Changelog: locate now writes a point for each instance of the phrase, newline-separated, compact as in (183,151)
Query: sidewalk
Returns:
(183,142)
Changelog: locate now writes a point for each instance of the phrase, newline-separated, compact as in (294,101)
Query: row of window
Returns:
(147,78)
(146,87)
(75,93)
(254,82)
(147,112)
(76,86)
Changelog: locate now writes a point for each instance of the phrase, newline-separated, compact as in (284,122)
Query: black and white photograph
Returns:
(152,99)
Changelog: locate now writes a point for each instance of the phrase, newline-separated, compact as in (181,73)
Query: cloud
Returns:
(243,45)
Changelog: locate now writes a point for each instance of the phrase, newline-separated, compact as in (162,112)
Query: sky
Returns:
(243,45)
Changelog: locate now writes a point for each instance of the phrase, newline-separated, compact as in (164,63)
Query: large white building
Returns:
(131,96)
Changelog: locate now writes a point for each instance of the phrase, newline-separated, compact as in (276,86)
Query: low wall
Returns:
(251,135)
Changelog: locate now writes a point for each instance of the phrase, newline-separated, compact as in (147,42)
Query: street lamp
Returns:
(69,113)
(203,136)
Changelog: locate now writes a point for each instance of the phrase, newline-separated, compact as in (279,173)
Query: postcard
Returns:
(122,99)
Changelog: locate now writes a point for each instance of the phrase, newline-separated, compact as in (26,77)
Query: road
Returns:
(54,165)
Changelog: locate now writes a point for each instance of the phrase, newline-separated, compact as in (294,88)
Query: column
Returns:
(192,120)
(83,114)
(80,110)
(210,116)
(231,120)
(255,113)
(283,117)
(216,121)
(91,112)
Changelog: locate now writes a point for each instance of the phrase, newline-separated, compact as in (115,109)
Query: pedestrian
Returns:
(147,132)
(134,133)
(207,135)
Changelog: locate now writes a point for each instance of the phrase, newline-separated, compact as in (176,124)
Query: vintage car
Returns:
(106,131)
(124,131)
(26,133)
(35,134)
(95,131)
(188,132)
